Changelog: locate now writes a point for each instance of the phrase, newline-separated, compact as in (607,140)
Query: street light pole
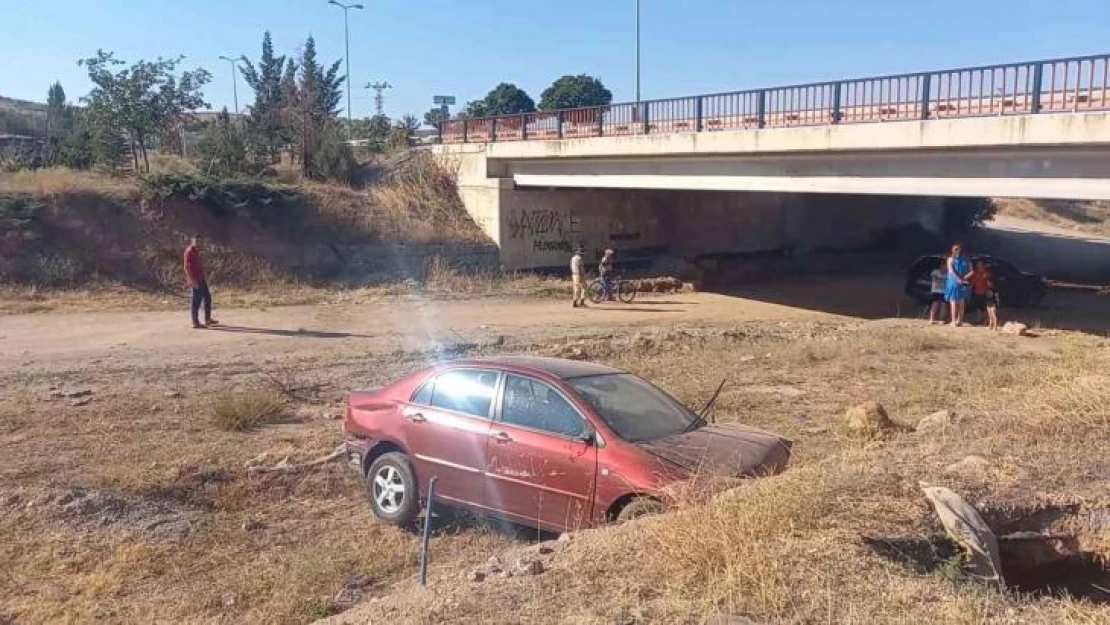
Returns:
(234,78)
(637,54)
(347,43)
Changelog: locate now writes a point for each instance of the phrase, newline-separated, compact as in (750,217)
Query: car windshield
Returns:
(633,408)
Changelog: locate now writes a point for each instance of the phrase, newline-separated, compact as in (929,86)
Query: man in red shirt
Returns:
(194,273)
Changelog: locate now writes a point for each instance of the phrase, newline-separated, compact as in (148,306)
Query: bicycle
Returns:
(598,291)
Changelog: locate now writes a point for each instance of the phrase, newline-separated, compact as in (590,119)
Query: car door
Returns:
(448,423)
(541,469)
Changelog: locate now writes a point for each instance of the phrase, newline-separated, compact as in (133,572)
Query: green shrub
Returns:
(222,197)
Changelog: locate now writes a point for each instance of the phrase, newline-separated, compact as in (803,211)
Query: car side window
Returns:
(465,390)
(423,396)
(536,405)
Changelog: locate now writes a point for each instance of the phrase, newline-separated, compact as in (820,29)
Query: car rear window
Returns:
(469,391)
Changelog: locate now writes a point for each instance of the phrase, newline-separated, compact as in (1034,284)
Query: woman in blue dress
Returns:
(957,288)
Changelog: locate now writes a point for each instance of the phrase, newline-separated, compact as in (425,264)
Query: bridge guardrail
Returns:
(1051,86)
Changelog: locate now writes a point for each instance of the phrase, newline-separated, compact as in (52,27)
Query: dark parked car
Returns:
(1016,288)
(550,443)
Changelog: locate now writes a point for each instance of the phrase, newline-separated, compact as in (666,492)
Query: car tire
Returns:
(639,507)
(392,488)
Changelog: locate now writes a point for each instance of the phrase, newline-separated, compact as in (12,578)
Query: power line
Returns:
(379,99)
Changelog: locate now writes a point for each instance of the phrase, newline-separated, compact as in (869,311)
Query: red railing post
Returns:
(466,138)
(524,126)
(699,122)
(560,117)
(926,93)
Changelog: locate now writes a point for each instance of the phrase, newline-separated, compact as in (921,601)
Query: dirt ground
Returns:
(122,500)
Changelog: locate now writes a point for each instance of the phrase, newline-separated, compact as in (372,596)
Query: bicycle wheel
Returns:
(626,292)
(596,292)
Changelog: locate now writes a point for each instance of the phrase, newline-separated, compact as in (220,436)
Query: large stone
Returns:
(868,420)
(938,421)
(966,527)
(1013,327)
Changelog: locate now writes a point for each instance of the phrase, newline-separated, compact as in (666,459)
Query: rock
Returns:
(100,613)
(251,524)
(525,566)
(970,465)
(1013,327)
(82,401)
(966,527)
(172,394)
(477,575)
(229,600)
(545,549)
(937,421)
(869,420)
(729,619)
(74,393)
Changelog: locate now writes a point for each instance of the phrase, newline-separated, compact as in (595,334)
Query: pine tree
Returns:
(268,130)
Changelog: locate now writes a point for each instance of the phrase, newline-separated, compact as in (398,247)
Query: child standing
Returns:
(984,293)
(936,293)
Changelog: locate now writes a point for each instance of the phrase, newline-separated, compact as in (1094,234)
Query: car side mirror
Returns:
(588,437)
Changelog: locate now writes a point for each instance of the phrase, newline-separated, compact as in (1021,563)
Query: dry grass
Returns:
(59,181)
(791,549)
(787,549)
(246,409)
(1092,217)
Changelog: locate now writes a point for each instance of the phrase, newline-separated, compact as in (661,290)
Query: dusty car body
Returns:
(550,443)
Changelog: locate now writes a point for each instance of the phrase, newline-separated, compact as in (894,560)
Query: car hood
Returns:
(726,450)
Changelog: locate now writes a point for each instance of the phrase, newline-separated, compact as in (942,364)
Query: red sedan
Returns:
(554,444)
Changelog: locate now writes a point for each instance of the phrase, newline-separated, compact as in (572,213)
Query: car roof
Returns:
(559,367)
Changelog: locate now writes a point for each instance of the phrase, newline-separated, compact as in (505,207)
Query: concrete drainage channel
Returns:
(1043,551)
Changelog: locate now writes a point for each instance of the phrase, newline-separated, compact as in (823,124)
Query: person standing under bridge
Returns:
(605,270)
(578,279)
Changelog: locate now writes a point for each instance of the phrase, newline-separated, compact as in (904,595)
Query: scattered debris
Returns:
(937,421)
(81,506)
(285,466)
(869,420)
(963,525)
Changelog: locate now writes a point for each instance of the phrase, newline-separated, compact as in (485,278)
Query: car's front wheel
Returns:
(391,485)
(639,507)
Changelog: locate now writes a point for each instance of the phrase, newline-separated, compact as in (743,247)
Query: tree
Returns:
(55,110)
(504,99)
(221,149)
(579,91)
(315,103)
(143,99)
(267,128)
(404,131)
(434,116)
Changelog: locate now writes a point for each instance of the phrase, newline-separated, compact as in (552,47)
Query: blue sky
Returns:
(433,47)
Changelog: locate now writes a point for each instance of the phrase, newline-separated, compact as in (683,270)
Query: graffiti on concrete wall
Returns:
(544,230)
(529,224)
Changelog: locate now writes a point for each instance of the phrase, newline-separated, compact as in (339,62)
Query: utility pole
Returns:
(234,78)
(347,43)
(637,54)
(379,99)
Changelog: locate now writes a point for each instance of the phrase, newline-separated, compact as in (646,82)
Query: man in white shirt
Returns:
(578,279)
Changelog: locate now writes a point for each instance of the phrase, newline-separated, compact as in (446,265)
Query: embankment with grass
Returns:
(69,230)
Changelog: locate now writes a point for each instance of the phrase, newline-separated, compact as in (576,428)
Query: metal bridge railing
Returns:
(1052,86)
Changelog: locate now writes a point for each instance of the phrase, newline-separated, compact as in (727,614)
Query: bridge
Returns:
(895,144)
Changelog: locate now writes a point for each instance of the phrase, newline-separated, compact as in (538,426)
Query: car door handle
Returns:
(501,437)
(414,415)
